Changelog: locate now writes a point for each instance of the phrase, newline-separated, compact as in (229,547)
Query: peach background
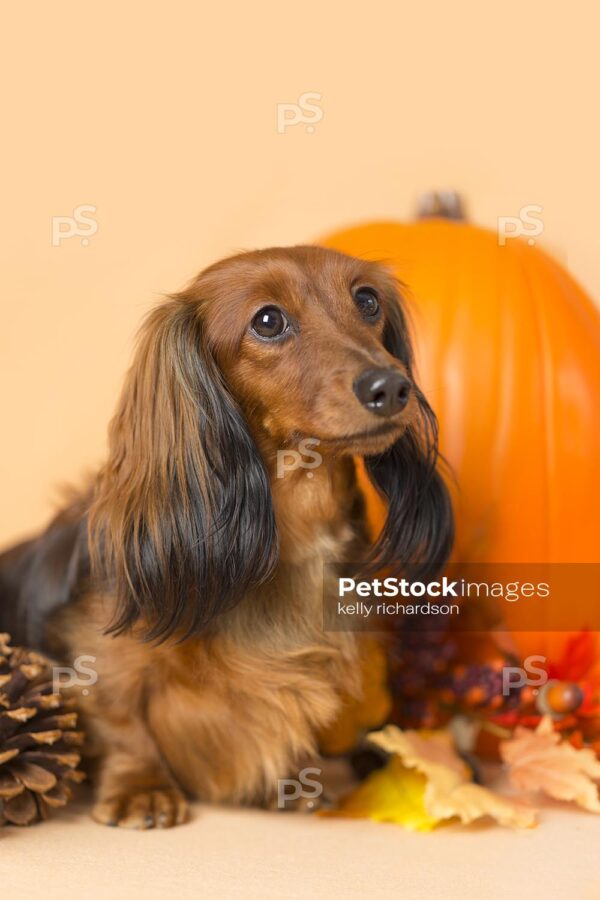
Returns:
(165,121)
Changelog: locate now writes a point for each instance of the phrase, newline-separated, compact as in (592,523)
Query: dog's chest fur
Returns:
(237,712)
(232,712)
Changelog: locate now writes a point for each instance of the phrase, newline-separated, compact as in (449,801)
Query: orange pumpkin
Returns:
(508,353)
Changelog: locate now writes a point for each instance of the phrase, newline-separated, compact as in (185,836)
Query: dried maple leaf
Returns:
(449,791)
(443,789)
(541,760)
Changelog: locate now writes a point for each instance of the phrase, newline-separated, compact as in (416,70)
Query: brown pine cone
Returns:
(38,740)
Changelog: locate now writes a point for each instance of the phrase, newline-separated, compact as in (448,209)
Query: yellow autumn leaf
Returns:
(542,760)
(449,792)
(392,794)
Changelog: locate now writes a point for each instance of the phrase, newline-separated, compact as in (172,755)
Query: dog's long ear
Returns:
(182,522)
(419,530)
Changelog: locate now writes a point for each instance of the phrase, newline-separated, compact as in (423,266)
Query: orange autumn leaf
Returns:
(542,760)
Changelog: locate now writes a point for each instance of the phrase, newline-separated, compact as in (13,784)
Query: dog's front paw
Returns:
(160,807)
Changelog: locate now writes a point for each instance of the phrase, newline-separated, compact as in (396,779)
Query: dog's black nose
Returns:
(383,391)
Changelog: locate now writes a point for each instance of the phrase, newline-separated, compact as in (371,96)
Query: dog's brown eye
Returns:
(269,322)
(367,301)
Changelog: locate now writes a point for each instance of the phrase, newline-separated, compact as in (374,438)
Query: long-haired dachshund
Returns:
(191,571)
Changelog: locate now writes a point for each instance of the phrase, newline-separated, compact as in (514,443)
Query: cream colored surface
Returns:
(164,117)
(254,855)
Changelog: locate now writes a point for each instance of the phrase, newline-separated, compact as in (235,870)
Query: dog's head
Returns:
(261,350)
(312,343)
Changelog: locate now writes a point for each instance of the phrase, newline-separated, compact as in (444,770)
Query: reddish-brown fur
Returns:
(224,700)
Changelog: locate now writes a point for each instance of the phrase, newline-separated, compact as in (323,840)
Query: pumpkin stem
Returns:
(441,205)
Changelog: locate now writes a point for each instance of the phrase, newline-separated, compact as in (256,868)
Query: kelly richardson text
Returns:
(476,596)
